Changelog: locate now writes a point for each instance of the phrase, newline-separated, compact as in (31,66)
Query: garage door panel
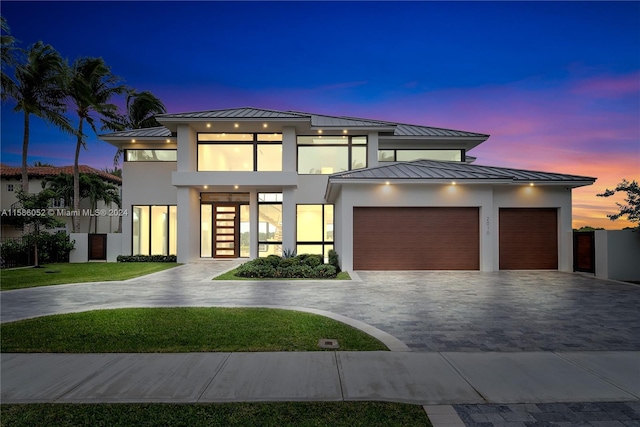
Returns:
(416,239)
(528,239)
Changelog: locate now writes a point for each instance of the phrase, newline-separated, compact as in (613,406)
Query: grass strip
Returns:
(57,274)
(316,414)
(175,330)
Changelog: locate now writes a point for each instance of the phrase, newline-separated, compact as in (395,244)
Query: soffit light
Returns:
(235,125)
(453,183)
(344,131)
(319,130)
(133,140)
(235,186)
(531,184)
(264,125)
(206,186)
(208,125)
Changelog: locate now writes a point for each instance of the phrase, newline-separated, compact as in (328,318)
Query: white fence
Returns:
(81,251)
(617,254)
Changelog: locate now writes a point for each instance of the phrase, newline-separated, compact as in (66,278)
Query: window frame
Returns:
(463,153)
(324,242)
(349,145)
(255,143)
(150,231)
(274,202)
(150,149)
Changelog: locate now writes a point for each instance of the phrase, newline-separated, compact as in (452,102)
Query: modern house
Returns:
(11,178)
(249,182)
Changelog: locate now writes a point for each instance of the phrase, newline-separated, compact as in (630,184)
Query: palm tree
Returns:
(141,109)
(100,191)
(38,90)
(7,57)
(90,87)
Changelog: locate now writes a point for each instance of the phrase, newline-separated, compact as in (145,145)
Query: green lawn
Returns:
(231,275)
(316,414)
(57,274)
(174,330)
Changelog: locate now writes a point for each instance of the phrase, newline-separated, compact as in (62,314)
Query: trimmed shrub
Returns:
(289,262)
(258,271)
(325,271)
(274,260)
(313,260)
(334,260)
(298,272)
(147,258)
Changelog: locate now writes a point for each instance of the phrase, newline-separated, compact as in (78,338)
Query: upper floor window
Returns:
(10,187)
(403,155)
(237,152)
(331,154)
(151,155)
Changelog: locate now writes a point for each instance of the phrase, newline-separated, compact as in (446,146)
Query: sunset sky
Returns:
(555,84)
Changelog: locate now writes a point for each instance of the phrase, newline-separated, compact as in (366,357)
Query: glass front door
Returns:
(226,231)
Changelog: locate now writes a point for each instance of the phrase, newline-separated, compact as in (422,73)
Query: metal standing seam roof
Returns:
(154,132)
(432,169)
(235,113)
(317,120)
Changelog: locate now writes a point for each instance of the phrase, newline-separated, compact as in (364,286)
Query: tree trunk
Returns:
(25,149)
(76,181)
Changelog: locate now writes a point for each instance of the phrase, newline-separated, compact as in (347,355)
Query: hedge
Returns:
(147,258)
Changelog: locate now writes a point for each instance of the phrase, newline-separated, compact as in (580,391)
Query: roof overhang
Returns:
(334,185)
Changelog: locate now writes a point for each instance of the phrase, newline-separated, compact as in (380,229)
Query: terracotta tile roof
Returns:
(42,171)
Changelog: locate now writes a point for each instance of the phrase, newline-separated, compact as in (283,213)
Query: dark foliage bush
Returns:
(289,262)
(52,247)
(334,260)
(147,258)
(312,260)
(325,271)
(274,260)
(259,271)
(303,266)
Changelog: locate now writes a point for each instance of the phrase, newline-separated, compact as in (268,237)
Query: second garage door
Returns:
(528,239)
(416,238)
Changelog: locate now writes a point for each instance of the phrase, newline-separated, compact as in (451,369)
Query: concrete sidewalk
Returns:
(410,377)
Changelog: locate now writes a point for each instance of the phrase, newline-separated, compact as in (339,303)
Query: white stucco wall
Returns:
(80,252)
(617,254)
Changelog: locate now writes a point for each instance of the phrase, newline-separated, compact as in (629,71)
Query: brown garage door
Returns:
(416,239)
(528,239)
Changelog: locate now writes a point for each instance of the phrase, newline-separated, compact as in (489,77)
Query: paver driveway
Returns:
(429,311)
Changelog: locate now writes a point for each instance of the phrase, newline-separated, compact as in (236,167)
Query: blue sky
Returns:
(555,84)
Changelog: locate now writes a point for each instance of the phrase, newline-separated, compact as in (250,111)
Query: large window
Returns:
(401,155)
(239,152)
(151,155)
(331,154)
(314,227)
(269,224)
(154,230)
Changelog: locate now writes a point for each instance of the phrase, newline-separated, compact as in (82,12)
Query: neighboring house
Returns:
(11,177)
(248,182)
